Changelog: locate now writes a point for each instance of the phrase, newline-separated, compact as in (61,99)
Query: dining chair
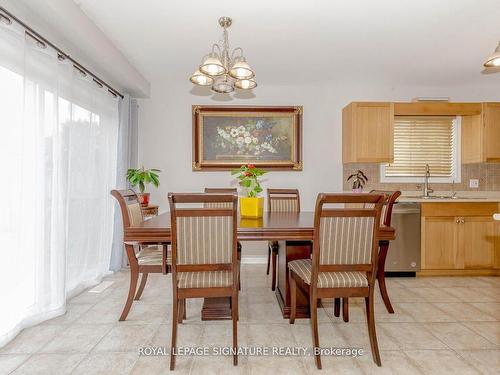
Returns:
(390,198)
(224,205)
(344,259)
(143,258)
(204,254)
(279,200)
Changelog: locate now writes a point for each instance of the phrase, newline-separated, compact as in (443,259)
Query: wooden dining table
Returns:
(293,231)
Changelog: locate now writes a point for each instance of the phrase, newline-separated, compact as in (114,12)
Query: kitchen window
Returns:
(421,140)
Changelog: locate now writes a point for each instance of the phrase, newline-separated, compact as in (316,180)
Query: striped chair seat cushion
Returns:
(152,255)
(208,279)
(351,279)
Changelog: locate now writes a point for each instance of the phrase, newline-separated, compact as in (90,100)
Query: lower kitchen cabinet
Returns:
(460,239)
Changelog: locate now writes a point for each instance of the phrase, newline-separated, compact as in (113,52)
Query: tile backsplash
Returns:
(487,173)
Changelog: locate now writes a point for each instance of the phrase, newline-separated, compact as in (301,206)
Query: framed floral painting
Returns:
(225,137)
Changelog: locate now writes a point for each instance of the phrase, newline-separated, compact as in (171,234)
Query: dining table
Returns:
(293,231)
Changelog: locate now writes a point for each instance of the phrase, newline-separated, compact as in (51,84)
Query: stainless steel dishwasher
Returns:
(404,252)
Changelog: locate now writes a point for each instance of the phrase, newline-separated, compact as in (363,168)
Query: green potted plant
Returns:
(359,180)
(251,206)
(141,177)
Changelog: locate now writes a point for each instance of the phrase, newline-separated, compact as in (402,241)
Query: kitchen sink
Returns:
(439,197)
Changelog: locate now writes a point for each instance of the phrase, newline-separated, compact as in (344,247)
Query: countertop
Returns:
(461,197)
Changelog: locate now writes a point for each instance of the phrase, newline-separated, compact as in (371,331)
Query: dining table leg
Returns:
(287,252)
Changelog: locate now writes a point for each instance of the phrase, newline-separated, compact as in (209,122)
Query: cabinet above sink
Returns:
(368,129)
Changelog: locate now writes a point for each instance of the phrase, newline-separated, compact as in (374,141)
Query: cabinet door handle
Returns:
(462,221)
(457,221)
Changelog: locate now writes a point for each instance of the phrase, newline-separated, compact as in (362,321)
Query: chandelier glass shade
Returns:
(494,59)
(222,70)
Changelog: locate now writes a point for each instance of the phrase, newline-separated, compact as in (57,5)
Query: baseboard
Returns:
(400,274)
(254,260)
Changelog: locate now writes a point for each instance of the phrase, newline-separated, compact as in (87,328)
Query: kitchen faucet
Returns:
(427,190)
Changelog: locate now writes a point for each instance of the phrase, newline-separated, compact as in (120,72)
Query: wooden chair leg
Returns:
(182,306)
(336,307)
(134,276)
(345,309)
(268,258)
(293,298)
(144,279)
(384,247)
(175,311)
(234,312)
(370,318)
(184,309)
(314,327)
(274,261)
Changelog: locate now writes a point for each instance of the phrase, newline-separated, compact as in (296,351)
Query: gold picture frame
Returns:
(225,137)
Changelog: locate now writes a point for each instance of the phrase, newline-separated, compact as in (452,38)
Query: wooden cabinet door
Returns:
(477,237)
(491,123)
(374,132)
(439,244)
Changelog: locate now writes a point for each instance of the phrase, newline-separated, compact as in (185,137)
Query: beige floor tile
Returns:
(490,308)
(393,362)
(435,294)
(187,335)
(141,313)
(454,282)
(472,294)
(106,364)
(356,335)
(221,335)
(78,338)
(492,281)
(73,312)
(215,365)
(276,365)
(103,312)
(261,313)
(404,295)
(44,364)
(127,338)
(425,312)
(91,298)
(487,361)
(270,335)
(489,330)
(329,335)
(409,336)
(335,364)
(161,365)
(457,336)
(416,282)
(9,362)
(30,340)
(464,312)
(440,362)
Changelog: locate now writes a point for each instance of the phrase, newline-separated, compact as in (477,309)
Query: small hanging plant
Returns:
(249,179)
(358,179)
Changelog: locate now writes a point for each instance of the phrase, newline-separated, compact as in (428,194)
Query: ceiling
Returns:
(407,42)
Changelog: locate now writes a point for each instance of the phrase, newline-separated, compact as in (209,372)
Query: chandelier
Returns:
(224,71)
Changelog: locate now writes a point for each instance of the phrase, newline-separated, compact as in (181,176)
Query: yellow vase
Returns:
(251,208)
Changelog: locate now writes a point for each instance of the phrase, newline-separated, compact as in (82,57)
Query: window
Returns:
(421,140)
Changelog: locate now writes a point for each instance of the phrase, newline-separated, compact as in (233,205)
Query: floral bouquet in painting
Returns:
(256,138)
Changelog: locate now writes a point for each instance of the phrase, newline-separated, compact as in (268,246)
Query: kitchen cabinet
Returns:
(460,238)
(368,132)
(481,135)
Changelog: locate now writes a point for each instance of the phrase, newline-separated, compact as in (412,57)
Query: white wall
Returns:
(165,132)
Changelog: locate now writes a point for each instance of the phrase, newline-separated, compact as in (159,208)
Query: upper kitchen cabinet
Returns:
(368,132)
(481,135)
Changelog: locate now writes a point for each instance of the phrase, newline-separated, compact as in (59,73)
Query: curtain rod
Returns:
(40,39)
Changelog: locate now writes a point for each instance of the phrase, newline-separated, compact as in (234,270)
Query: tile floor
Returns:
(441,325)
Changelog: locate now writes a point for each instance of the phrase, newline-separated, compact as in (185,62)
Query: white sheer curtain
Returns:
(58,149)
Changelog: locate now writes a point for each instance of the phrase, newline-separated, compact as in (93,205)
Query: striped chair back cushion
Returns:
(204,239)
(134,214)
(282,204)
(224,205)
(346,240)
(382,212)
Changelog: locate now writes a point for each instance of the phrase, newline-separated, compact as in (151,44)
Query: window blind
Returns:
(421,140)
